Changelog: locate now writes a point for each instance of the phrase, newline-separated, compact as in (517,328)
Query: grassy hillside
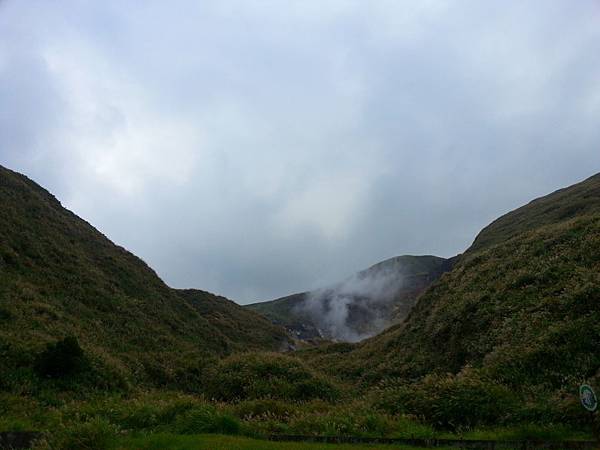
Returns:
(581,199)
(530,304)
(59,277)
(289,312)
(370,301)
(507,335)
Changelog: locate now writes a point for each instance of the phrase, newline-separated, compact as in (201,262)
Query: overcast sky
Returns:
(258,148)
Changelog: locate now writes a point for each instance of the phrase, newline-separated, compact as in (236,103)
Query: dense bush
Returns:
(451,401)
(96,422)
(319,418)
(61,359)
(205,419)
(541,407)
(96,434)
(266,375)
(343,422)
(264,409)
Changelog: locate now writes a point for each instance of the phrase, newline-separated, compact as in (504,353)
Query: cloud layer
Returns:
(259,148)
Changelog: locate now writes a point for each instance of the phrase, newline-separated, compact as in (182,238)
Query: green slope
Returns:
(59,276)
(522,305)
(374,299)
(289,312)
(581,199)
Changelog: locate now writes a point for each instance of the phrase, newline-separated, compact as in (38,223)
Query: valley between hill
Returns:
(94,346)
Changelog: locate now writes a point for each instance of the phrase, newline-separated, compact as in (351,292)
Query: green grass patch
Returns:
(216,442)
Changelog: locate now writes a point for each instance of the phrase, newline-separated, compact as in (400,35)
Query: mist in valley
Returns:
(356,308)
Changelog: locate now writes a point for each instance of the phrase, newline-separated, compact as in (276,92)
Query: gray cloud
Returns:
(258,148)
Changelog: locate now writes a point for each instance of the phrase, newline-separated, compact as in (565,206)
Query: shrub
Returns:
(551,408)
(343,422)
(97,434)
(205,419)
(276,409)
(61,359)
(266,375)
(451,401)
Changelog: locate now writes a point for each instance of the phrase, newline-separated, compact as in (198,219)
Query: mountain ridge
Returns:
(577,199)
(370,300)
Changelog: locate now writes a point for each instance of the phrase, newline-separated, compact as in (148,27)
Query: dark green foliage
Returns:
(61,359)
(96,434)
(171,412)
(206,419)
(452,402)
(5,315)
(345,421)
(273,376)
(261,408)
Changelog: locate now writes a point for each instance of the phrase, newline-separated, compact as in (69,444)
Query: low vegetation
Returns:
(254,376)
(108,421)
